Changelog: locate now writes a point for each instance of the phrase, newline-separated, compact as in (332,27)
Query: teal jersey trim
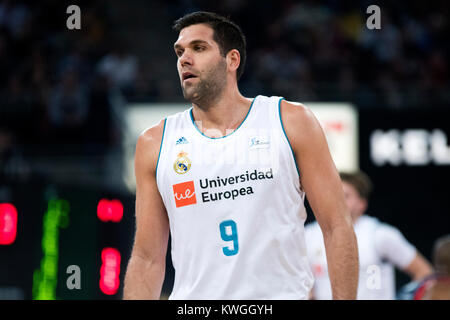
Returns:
(193,122)
(284,131)
(160,147)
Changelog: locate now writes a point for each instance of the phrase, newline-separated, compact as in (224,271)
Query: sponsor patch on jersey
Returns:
(259,143)
(184,194)
(182,163)
(218,189)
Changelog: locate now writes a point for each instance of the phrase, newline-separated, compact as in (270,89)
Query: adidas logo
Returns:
(182,140)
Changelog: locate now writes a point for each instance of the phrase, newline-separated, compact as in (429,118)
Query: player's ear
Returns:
(364,204)
(233,59)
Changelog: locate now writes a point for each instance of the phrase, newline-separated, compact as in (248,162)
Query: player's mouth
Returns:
(186,76)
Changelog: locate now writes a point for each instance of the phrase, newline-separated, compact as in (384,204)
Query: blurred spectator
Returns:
(438,69)
(386,43)
(307,14)
(13,15)
(146,88)
(120,66)
(437,285)
(5,57)
(16,100)
(68,108)
(12,164)
(76,60)
(99,128)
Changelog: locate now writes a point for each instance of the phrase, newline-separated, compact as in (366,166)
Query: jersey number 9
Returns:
(228,232)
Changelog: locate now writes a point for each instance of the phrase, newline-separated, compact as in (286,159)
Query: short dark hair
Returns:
(360,181)
(227,34)
(441,254)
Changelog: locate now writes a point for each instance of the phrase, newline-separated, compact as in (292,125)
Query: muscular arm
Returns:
(322,185)
(146,267)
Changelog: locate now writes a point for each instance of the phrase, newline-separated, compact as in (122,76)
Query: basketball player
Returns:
(228,178)
(381,247)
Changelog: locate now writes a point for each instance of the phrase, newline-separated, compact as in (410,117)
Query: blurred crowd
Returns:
(323,51)
(57,86)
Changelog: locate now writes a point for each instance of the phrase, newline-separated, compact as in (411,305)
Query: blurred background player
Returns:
(381,248)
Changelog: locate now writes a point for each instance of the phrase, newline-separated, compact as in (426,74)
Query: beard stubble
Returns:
(209,87)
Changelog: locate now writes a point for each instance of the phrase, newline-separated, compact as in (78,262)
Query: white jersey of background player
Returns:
(381,247)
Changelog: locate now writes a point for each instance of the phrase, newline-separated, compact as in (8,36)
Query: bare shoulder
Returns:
(148,145)
(298,114)
(151,136)
(293,104)
(299,122)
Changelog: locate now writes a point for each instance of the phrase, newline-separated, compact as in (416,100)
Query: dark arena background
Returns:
(73,99)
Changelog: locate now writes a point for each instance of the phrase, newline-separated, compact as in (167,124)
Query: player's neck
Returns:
(223,116)
(356,218)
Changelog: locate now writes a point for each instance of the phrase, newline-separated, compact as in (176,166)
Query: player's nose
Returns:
(186,59)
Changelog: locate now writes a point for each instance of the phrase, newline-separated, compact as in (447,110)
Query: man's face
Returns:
(201,67)
(355,203)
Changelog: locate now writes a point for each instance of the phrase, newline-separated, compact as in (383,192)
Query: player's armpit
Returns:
(146,268)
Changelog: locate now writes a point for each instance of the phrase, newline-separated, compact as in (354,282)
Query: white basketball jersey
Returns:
(380,248)
(235,208)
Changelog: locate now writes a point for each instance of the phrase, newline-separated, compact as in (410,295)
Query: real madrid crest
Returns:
(182,164)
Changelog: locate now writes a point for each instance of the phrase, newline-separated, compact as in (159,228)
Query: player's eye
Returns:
(198,48)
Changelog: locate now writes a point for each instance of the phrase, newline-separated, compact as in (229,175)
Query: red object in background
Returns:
(110,210)
(318,270)
(8,223)
(110,271)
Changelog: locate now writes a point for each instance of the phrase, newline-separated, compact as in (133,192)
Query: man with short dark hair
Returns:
(228,178)
(381,247)
(437,286)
